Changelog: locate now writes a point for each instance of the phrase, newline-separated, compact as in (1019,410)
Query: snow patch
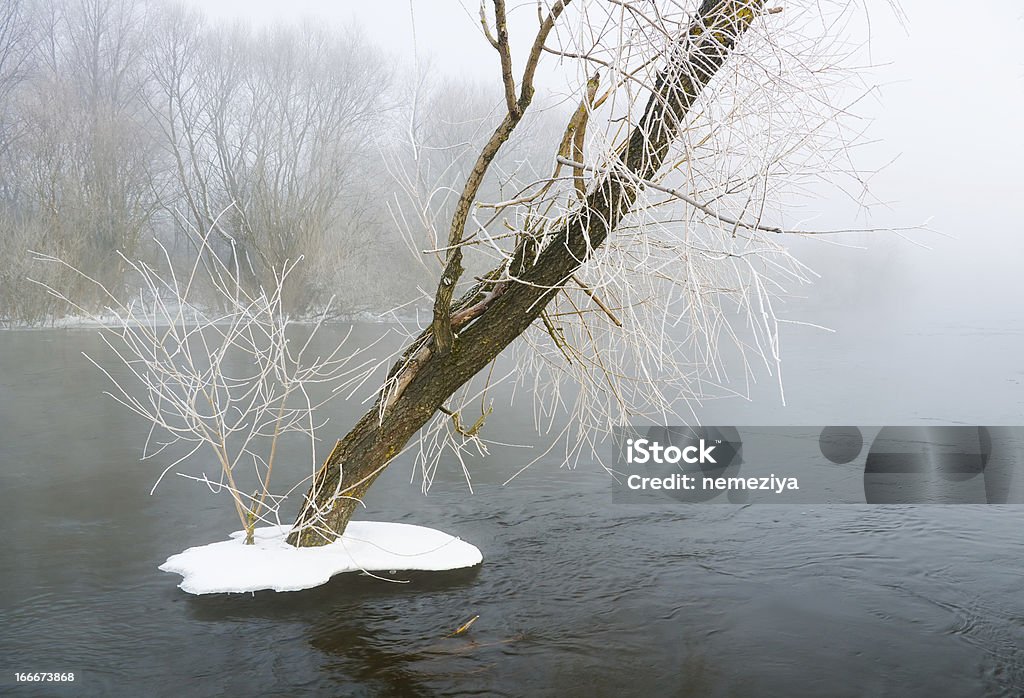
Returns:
(270,563)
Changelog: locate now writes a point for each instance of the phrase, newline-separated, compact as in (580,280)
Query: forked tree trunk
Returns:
(494,312)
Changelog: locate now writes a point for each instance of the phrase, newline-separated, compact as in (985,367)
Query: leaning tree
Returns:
(661,215)
(637,264)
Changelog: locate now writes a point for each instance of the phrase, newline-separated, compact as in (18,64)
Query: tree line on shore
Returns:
(127,123)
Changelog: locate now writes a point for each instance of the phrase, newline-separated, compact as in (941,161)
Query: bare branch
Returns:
(509,81)
(442,330)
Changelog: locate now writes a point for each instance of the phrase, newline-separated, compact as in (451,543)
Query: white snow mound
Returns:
(270,563)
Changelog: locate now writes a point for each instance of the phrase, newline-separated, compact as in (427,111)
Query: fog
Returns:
(945,120)
(308,128)
(942,140)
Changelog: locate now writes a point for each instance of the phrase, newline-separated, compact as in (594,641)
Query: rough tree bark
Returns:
(492,314)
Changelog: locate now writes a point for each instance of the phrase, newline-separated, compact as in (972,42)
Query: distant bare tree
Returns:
(275,126)
(77,176)
(121,116)
(17,43)
(18,36)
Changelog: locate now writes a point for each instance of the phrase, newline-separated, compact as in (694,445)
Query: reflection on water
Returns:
(577,594)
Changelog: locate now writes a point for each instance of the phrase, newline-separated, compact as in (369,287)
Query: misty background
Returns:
(287,127)
(944,121)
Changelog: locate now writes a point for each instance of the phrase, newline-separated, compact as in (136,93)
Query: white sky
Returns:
(442,26)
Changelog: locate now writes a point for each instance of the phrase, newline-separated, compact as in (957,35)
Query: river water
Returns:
(577,595)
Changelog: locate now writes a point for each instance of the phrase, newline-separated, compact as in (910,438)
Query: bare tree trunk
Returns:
(496,311)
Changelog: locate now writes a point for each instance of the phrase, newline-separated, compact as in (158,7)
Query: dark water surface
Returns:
(576,596)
